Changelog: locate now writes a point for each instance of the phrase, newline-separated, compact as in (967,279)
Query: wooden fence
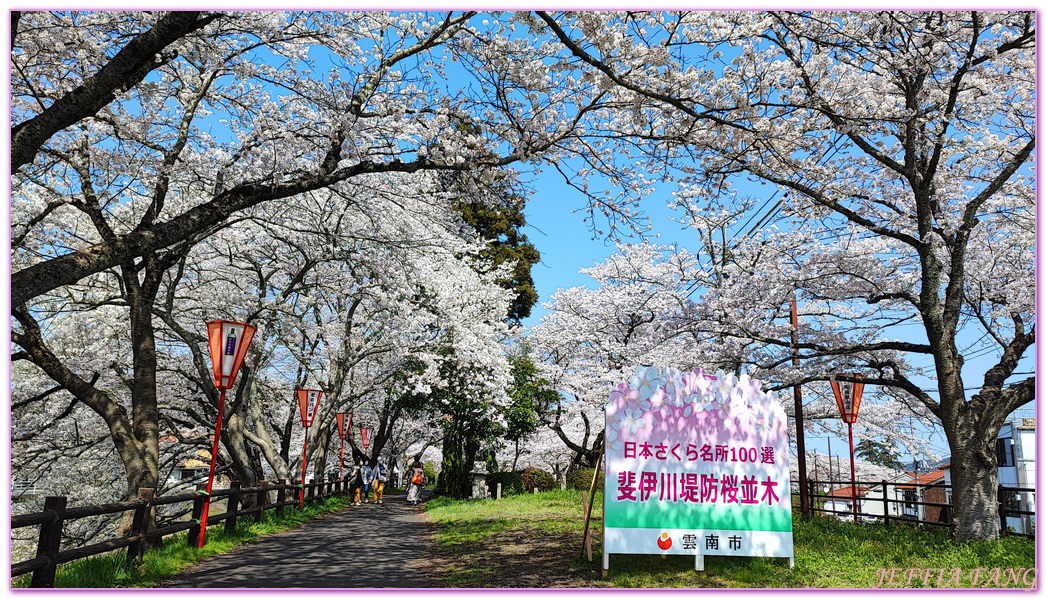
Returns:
(51,520)
(941,511)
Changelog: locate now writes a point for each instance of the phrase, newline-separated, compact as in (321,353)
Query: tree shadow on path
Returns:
(366,546)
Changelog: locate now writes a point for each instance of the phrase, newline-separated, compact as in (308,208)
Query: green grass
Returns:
(112,570)
(480,543)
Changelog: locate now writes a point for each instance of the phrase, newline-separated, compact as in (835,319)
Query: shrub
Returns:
(429,473)
(537,478)
(581,480)
(512,483)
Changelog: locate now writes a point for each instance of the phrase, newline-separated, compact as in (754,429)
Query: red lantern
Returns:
(228,342)
(343,431)
(343,425)
(365,436)
(848,396)
(848,400)
(308,402)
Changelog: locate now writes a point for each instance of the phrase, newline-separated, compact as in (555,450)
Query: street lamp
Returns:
(308,402)
(343,431)
(228,342)
(848,400)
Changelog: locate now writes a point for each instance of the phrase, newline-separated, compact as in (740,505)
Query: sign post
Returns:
(228,342)
(308,402)
(848,400)
(343,430)
(696,465)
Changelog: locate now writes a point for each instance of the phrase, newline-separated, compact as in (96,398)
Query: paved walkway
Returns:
(366,546)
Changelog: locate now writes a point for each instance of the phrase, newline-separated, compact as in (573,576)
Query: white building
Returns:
(1016,466)
(1016,458)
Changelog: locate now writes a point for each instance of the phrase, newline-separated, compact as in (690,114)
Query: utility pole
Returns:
(916,474)
(801,452)
(829,452)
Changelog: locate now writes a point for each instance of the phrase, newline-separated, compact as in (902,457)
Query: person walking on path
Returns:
(368,475)
(356,480)
(379,475)
(415,481)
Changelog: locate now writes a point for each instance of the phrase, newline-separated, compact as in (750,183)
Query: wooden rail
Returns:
(55,513)
(946,508)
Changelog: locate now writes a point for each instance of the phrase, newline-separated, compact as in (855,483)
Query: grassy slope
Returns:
(534,541)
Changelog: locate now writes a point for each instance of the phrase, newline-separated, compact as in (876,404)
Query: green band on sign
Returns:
(680,515)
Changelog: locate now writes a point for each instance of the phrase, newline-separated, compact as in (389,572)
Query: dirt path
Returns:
(366,546)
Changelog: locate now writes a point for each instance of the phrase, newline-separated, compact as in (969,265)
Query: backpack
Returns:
(417,478)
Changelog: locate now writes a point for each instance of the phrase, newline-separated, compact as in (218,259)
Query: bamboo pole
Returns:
(589,509)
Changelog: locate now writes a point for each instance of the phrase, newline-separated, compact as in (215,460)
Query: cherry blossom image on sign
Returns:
(696,464)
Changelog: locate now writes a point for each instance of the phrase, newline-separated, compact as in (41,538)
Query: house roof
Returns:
(845,492)
(925,478)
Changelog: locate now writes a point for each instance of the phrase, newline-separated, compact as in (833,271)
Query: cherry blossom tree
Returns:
(138,135)
(593,338)
(343,296)
(899,143)
(171,148)
(902,140)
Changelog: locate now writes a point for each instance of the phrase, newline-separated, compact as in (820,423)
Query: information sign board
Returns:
(696,464)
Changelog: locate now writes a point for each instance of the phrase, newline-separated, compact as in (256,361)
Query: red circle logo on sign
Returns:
(664,542)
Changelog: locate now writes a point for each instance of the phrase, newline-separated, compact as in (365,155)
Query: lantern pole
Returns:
(854,491)
(305,448)
(228,342)
(210,473)
(341,458)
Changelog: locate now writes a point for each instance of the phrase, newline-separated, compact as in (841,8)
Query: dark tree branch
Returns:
(129,67)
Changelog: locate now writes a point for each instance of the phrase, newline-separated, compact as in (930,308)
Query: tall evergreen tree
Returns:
(501,228)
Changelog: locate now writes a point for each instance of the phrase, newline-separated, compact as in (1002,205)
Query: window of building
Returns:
(1004,452)
(910,497)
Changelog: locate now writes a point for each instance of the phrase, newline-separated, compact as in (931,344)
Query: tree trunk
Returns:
(322,441)
(459,456)
(974,498)
(242,460)
(974,475)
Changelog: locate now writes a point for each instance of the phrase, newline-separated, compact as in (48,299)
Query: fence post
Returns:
(281,496)
(232,506)
(1000,499)
(810,492)
(198,513)
(886,516)
(49,543)
(138,526)
(262,498)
